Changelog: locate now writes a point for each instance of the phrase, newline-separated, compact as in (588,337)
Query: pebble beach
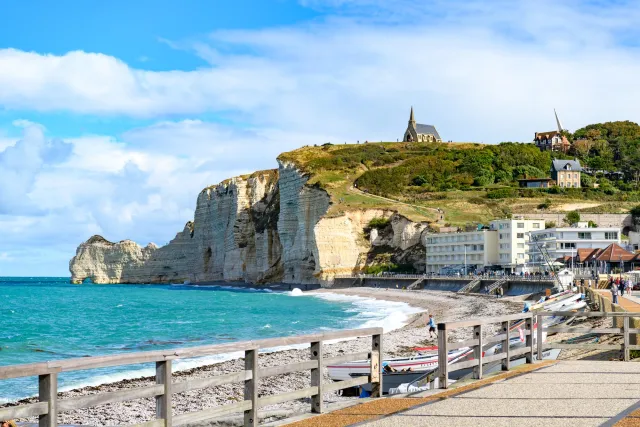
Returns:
(396,343)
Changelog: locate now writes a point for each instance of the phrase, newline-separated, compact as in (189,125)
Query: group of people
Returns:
(619,286)
(8,423)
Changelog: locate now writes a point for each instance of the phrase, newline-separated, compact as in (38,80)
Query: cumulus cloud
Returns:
(21,163)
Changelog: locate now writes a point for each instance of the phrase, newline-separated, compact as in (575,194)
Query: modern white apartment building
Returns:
(513,238)
(565,241)
(503,244)
(447,249)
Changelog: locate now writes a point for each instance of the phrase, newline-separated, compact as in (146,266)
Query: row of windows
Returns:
(575,185)
(456,248)
(568,175)
(476,257)
(447,239)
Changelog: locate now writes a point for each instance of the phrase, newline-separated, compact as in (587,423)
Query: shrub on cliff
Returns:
(379,223)
(501,193)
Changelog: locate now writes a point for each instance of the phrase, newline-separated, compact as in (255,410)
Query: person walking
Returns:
(432,326)
(614,293)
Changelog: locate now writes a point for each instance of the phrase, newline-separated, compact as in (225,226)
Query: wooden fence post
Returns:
(506,362)
(539,337)
(529,338)
(48,392)
(443,366)
(163,402)
(251,388)
(626,338)
(477,352)
(317,404)
(376,362)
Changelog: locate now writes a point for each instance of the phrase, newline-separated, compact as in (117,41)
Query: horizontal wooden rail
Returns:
(625,330)
(353,382)
(24,411)
(206,414)
(47,372)
(479,344)
(485,321)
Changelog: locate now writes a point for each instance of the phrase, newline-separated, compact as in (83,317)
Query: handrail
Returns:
(49,405)
(623,329)
(479,344)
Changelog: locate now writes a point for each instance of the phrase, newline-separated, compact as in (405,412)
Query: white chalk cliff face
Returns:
(268,227)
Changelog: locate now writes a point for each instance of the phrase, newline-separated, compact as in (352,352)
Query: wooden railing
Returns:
(479,343)
(49,406)
(625,331)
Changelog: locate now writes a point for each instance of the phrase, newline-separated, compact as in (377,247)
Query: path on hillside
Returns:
(439,212)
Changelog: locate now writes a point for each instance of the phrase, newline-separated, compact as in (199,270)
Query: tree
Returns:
(586,180)
(572,217)
(549,224)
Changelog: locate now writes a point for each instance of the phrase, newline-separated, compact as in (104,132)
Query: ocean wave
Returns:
(371,312)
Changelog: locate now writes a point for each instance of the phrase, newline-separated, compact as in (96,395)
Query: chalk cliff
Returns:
(271,226)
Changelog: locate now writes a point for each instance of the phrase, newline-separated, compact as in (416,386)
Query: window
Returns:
(567,245)
(520,235)
(520,245)
(584,235)
(536,225)
(611,235)
(521,256)
(521,225)
(575,176)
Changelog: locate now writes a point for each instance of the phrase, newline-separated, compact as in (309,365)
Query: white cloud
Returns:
(483,71)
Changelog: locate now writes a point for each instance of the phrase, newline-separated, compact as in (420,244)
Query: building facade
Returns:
(502,245)
(449,249)
(417,132)
(566,173)
(552,140)
(564,242)
(535,182)
(513,239)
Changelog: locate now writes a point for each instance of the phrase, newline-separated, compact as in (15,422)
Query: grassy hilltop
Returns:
(470,182)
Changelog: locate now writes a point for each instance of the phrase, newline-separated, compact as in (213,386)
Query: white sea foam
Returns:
(295,292)
(389,315)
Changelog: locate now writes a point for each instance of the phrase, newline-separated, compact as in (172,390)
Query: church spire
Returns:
(411,119)
(558,121)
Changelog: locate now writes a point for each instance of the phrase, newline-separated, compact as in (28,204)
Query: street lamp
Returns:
(465,259)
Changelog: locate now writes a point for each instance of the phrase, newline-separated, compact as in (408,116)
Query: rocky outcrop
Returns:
(267,227)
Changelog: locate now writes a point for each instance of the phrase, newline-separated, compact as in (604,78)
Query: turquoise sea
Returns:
(48,318)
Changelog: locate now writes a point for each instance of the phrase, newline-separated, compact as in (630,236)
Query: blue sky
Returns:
(114,115)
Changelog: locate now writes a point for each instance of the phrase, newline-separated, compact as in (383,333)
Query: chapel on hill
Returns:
(417,132)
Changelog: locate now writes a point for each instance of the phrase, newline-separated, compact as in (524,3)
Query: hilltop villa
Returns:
(553,140)
(417,132)
(566,173)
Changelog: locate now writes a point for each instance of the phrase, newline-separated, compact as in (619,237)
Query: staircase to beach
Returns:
(495,285)
(470,286)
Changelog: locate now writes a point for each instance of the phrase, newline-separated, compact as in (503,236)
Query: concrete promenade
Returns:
(628,302)
(565,394)
(560,394)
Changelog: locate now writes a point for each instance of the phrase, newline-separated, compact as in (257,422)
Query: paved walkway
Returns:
(555,394)
(628,302)
(566,394)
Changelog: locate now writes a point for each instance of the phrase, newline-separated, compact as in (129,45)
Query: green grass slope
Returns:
(470,182)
